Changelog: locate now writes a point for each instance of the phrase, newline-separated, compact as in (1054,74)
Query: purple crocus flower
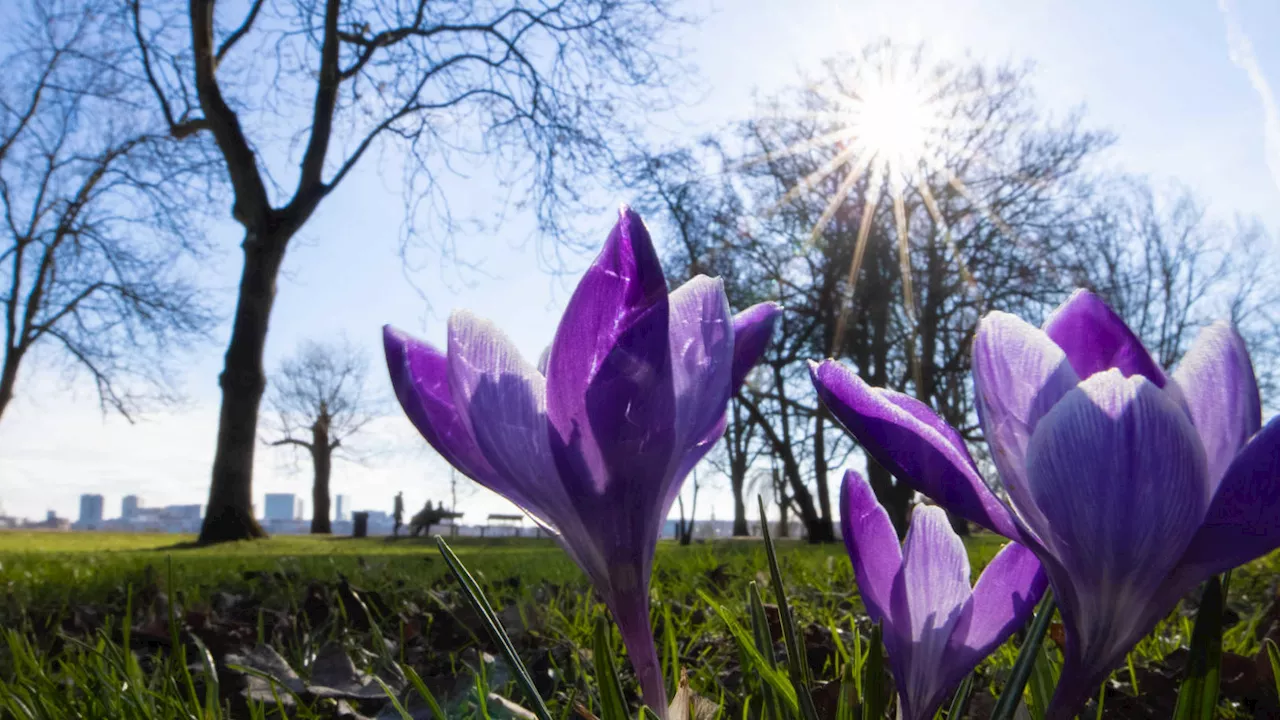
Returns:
(596,442)
(1131,486)
(936,628)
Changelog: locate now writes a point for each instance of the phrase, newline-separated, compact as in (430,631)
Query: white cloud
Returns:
(1240,50)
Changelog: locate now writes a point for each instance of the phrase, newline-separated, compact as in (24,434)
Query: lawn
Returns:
(338,612)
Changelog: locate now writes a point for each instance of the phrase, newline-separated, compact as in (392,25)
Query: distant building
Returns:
(129,506)
(341,505)
(182,512)
(51,522)
(282,506)
(90,512)
(170,518)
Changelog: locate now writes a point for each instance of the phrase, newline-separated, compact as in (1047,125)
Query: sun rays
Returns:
(897,134)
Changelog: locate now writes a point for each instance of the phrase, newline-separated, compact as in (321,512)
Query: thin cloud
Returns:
(1240,50)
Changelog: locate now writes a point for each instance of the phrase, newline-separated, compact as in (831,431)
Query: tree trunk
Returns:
(820,471)
(784,522)
(229,515)
(791,469)
(738,481)
(894,497)
(321,456)
(8,378)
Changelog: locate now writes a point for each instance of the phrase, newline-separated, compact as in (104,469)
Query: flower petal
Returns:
(610,398)
(913,443)
(1018,375)
(420,377)
(752,329)
(1095,339)
(630,608)
(1003,600)
(702,357)
(1217,380)
(1243,521)
(502,400)
(1118,474)
(872,544)
(930,597)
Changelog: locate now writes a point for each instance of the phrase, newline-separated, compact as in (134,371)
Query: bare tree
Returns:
(97,215)
(297,93)
(1169,267)
(321,401)
(894,288)
(684,528)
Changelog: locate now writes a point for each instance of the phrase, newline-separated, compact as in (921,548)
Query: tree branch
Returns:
(178,128)
(252,205)
(240,32)
(311,182)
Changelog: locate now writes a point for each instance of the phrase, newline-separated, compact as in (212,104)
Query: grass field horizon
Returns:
(390,608)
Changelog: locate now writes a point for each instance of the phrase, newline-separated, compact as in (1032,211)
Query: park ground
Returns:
(332,618)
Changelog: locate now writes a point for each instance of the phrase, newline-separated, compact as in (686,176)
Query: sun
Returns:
(895,126)
(894,130)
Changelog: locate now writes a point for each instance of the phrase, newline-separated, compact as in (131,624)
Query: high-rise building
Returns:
(129,506)
(341,505)
(90,511)
(282,506)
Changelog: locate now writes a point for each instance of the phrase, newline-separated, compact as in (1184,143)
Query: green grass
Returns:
(295,598)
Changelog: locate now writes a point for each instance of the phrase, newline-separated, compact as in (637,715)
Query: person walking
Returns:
(398,514)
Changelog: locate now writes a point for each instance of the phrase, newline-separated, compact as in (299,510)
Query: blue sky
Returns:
(1185,103)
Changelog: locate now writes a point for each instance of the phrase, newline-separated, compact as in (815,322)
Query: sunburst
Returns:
(901,129)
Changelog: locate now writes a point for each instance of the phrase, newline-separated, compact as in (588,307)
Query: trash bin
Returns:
(359,524)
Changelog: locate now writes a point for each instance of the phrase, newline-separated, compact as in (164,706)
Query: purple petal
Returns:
(872,544)
(1018,375)
(1118,475)
(420,376)
(752,329)
(1003,600)
(503,400)
(629,604)
(930,597)
(1095,339)
(609,387)
(1243,521)
(913,443)
(1217,380)
(702,357)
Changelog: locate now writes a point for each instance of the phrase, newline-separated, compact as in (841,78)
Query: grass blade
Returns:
(746,643)
(1198,696)
(427,696)
(875,693)
(764,643)
(1009,700)
(1044,678)
(797,660)
(613,705)
(481,604)
(395,702)
(670,650)
(960,703)
(847,705)
(1273,655)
